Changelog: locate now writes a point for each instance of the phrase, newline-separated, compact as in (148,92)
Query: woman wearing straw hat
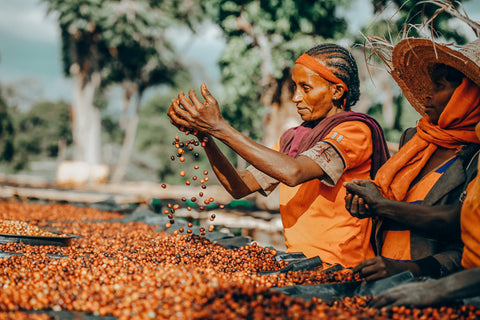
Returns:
(310,162)
(460,285)
(416,195)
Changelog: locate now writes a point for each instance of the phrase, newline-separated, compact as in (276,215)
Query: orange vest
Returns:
(314,217)
(396,241)
(470,224)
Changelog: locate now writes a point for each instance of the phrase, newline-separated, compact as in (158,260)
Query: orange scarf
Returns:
(456,127)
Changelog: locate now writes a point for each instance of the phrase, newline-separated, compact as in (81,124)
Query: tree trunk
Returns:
(86,122)
(128,140)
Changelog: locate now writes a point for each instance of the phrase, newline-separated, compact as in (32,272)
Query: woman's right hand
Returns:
(361,198)
(356,206)
(194,115)
(413,295)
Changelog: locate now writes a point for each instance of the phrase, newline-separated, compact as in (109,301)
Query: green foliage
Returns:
(409,15)
(405,117)
(34,134)
(40,129)
(124,40)
(7,133)
(81,32)
(266,34)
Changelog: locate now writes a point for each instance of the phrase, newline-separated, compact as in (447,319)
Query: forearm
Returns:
(463,284)
(275,164)
(431,219)
(237,183)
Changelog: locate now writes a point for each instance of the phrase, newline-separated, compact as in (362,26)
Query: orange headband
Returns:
(312,64)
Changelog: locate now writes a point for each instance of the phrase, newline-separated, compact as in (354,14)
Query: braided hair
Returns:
(341,62)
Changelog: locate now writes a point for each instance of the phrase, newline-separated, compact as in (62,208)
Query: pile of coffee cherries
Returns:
(20,228)
(132,271)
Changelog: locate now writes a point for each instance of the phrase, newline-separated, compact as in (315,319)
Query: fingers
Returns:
(381,301)
(194,98)
(363,264)
(177,114)
(356,206)
(348,201)
(185,102)
(176,109)
(371,269)
(206,94)
(361,207)
(354,187)
(360,182)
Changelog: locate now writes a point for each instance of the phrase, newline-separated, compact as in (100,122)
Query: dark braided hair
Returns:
(341,62)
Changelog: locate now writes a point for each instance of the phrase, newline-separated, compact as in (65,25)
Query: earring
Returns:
(334,98)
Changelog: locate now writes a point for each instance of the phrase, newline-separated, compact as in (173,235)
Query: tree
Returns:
(264,37)
(139,65)
(105,42)
(411,15)
(40,129)
(7,132)
(84,55)
(263,40)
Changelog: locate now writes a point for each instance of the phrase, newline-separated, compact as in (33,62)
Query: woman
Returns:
(460,285)
(310,162)
(416,195)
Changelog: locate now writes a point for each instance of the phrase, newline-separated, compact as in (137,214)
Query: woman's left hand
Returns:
(379,267)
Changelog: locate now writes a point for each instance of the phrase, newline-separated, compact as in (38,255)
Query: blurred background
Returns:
(87,83)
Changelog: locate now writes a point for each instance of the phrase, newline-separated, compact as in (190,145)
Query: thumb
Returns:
(206,94)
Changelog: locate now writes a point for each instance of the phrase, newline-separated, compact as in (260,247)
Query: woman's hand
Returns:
(380,267)
(194,115)
(361,198)
(418,294)
(357,206)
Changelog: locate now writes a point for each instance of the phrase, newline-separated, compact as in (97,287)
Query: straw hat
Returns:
(413,58)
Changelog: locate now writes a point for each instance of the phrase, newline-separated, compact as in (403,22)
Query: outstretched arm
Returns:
(463,284)
(431,219)
(205,118)
(237,183)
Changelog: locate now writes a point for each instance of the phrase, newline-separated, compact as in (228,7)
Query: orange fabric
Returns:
(396,243)
(314,216)
(455,128)
(470,221)
(314,65)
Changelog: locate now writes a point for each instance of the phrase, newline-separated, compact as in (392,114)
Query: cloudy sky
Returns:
(30,45)
(30,49)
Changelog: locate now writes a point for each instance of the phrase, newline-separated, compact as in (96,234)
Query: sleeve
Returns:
(353,142)
(347,146)
(443,263)
(329,160)
(267,183)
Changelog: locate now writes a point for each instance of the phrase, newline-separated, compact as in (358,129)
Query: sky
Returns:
(30,46)
(30,49)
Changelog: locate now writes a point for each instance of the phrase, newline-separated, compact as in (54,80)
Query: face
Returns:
(313,95)
(438,98)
